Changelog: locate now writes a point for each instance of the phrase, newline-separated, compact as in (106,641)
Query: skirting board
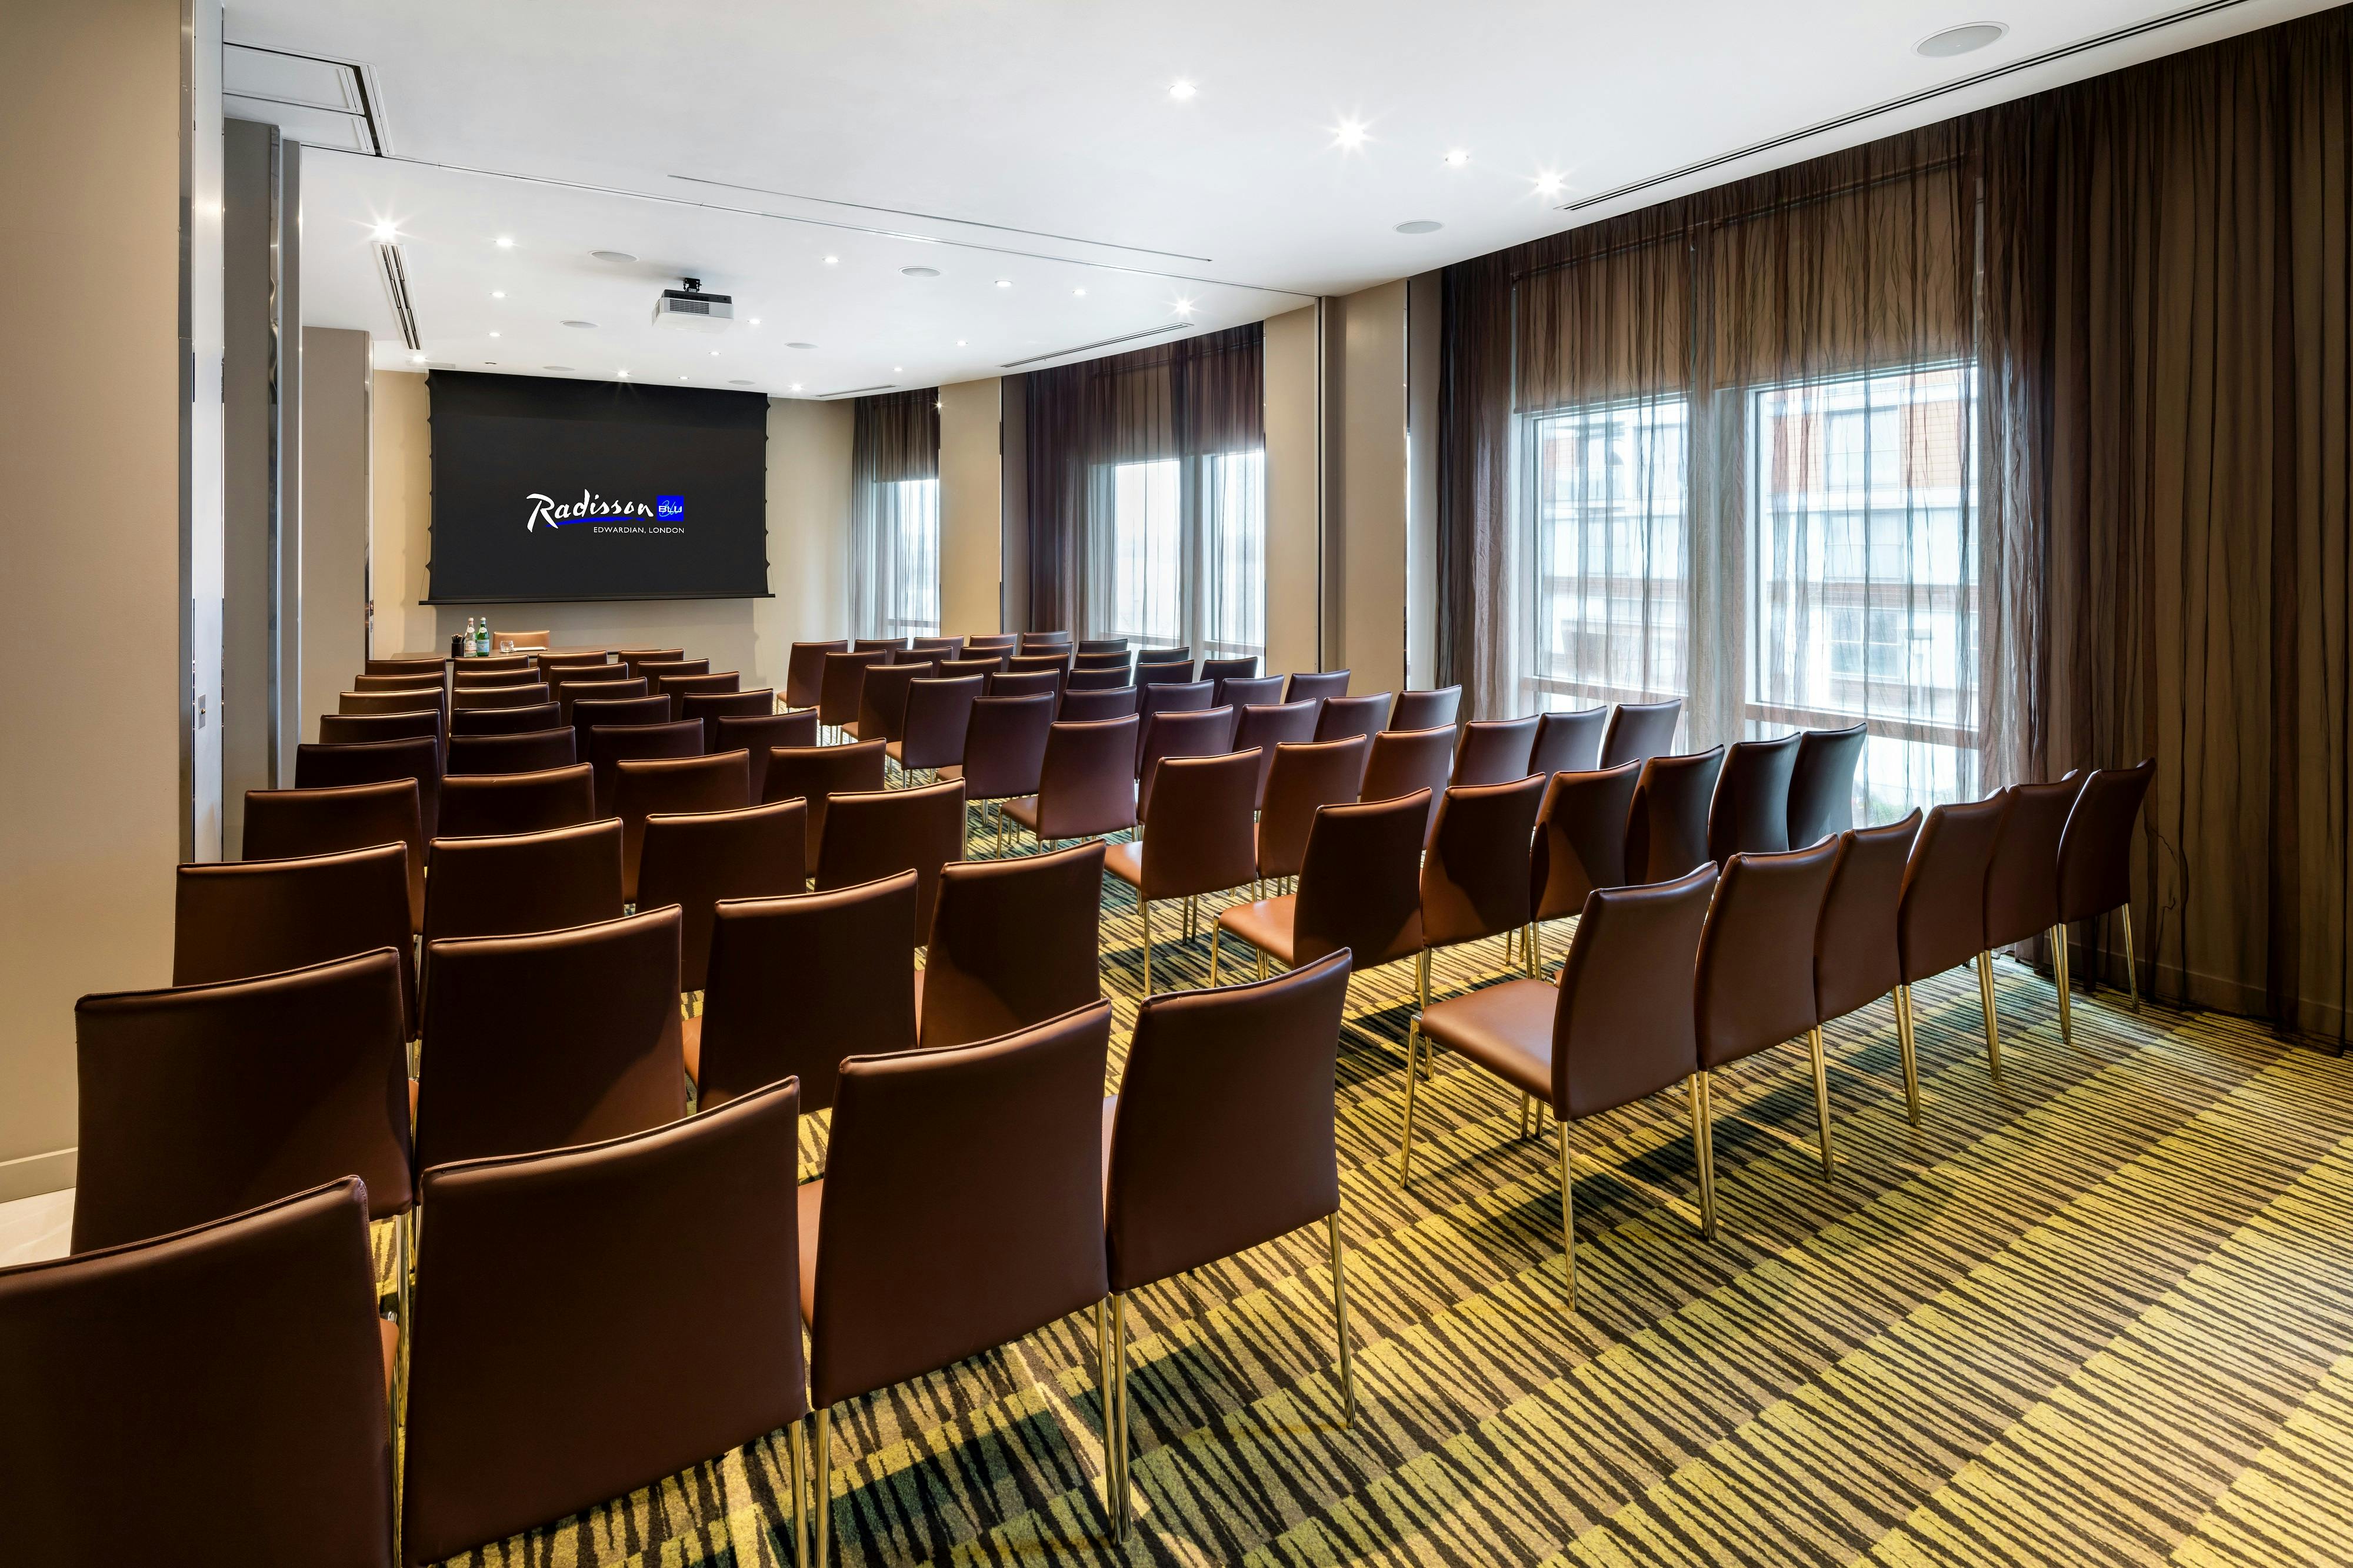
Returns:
(36,1174)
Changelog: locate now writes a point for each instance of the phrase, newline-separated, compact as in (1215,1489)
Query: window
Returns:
(908,513)
(1146,544)
(1187,555)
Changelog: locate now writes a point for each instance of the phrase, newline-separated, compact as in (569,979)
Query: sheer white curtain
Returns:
(1182,553)
(894,578)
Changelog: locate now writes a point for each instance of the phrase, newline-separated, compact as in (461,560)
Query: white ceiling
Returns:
(1036,141)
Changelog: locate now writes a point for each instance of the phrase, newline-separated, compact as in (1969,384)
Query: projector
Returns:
(690,309)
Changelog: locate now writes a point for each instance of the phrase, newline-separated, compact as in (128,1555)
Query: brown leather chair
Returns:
(469,680)
(1198,837)
(961,1208)
(1165,666)
(1190,697)
(2095,865)
(1013,943)
(879,645)
(543,1380)
(1620,1025)
(283,824)
(554,667)
(2021,890)
(694,859)
(918,655)
(1476,878)
(1086,785)
(1101,645)
(1345,716)
(509,883)
(757,735)
(430,681)
(1940,923)
(1666,825)
(1426,709)
(1191,732)
(376,761)
(1568,742)
(1639,731)
(713,706)
(939,712)
(549,1040)
(653,667)
(531,753)
(1056,665)
(1084,704)
(425,665)
(947,648)
(236,1370)
(520,696)
(800,982)
(1821,783)
(614,714)
(490,663)
(1221,1139)
(1404,761)
(873,835)
(1040,639)
(1856,959)
(410,701)
(644,785)
(1089,656)
(1249,691)
(1495,751)
(202,1101)
(519,640)
(1581,841)
(1305,776)
(1315,686)
(844,684)
(1263,727)
(883,699)
(804,671)
(234,920)
(604,687)
(1090,680)
(479,806)
(1028,683)
(678,687)
(609,745)
(983,665)
(503,721)
(1754,979)
(1359,888)
(1217,671)
(1749,813)
(818,774)
(1001,642)
(1005,749)
(359,729)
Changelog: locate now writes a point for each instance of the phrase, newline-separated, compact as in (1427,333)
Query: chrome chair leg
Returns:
(1984,1000)
(1405,1151)
(1702,1110)
(1421,996)
(1567,1216)
(2063,983)
(1119,1389)
(799,1444)
(1144,906)
(1821,1093)
(1905,1047)
(821,1486)
(1340,1323)
(1213,955)
(2132,965)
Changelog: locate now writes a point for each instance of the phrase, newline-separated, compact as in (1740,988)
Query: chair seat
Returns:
(812,1201)
(690,1039)
(895,751)
(1265,924)
(1505,1029)
(1024,811)
(1125,861)
(389,1331)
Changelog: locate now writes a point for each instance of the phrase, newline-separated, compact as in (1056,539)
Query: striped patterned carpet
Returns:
(2100,1313)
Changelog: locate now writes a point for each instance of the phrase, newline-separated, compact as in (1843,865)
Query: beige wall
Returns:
(808,528)
(1422,308)
(334,516)
(1365,487)
(400,476)
(90,414)
(1295,489)
(972,513)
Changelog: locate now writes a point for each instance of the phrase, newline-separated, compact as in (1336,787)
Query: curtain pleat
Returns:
(894,450)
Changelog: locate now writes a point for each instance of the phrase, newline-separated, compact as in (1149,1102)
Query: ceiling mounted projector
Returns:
(693,309)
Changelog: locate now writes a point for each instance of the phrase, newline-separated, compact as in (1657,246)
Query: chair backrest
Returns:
(1581,841)
(1013,942)
(517,696)
(878,645)
(755,735)
(1082,703)
(1090,657)
(1474,882)
(1495,751)
(694,859)
(1404,761)
(2021,890)
(1167,696)
(483,805)
(502,663)
(507,639)
(470,680)
(880,832)
(556,667)
(422,680)
(962,1202)
(1086,786)
(234,920)
(1754,983)
(513,882)
(947,647)
(1641,730)
(405,701)
(1315,685)
(358,729)
(1044,638)
(818,774)
(423,665)
(1198,835)
(2095,849)
(507,1430)
(375,761)
(1346,716)
(610,745)
(1821,783)
(1360,882)
(1224,1134)
(1426,709)
(1666,825)
(1002,642)
(502,720)
(1255,691)
(281,824)
(797,983)
(1749,814)
(1305,776)
(1263,726)
(1568,742)
(655,668)
(552,1039)
(1941,921)
(199,1102)
(678,687)
(1026,684)
(1151,672)
(528,753)
(1624,1025)
(1054,664)
(713,706)
(843,682)
(603,686)
(805,670)
(644,785)
(1103,645)
(1005,745)
(201,1363)
(1856,959)
(1099,680)
(986,665)
(1217,671)
(614,714)
(939,714)
(1163,654)
(1187,732)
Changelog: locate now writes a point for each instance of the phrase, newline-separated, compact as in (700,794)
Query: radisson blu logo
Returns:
(667,515)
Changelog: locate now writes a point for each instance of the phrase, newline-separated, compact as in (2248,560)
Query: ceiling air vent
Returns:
(859,390)
(1099,343)
(394,272)
(318,101)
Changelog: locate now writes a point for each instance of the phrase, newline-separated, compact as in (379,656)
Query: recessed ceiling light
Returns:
(962,343)
(1421,225)
(1181,91)
(919,272)
(1961,40)
(714,353)
(1349,134)
(833,262)
(565,368)
(898,369)
(681,378)
(794,387)
(416,359)
(1548,184)
(1078,293)
(505,243)
(755,320)
(800,345)
(622,374)
(386,232)
(583,325)
(1457,158)
(498,293)
(1005,283)
(494,334)
(603,254)
(1184,306)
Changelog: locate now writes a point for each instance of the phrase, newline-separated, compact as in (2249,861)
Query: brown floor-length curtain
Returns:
(894,565)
